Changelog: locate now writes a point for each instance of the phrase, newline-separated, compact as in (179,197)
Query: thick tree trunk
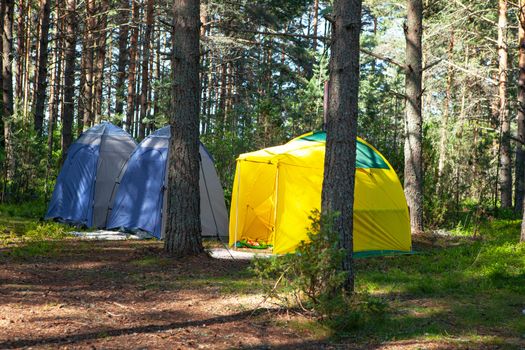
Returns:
(505,172)
(414,119)
(144,104)
(7,84)
(122,57)
(183,232)
(130,109)
(41,77)
(520,145)
(69,77)
(341,127)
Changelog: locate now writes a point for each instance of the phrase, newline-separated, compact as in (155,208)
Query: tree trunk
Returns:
(7,84)
(109,76)
(130,109)
(505,174)
(520,149)
(183,231)
(341,127)
(446,112)
(102,18)
(27,61)
(41,77)
(145,69)
(414,119)
(54,92)
(87,90)
(122,57)
(20,49)
(315,24)
(69,77)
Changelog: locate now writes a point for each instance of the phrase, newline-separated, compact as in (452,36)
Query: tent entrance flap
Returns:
(255,209)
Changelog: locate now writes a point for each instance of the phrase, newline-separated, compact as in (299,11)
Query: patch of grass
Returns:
(42,239)
(36,249)
(309,327)
(477,284)
(242,282)
(151,261)
(32,209)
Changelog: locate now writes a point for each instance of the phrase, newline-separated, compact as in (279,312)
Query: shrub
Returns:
(312,279)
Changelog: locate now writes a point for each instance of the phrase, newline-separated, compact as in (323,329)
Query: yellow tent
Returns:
(275,190)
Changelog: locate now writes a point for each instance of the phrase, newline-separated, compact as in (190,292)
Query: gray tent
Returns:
(140,199)
(82,193)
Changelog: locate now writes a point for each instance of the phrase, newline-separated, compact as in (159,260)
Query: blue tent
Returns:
(83,190)
(140,200)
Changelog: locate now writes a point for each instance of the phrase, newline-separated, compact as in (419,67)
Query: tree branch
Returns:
(383,58)
(469,72)
(432,64)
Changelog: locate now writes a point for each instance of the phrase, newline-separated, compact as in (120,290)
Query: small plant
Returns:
(40,240)
(312,279)
(48,230)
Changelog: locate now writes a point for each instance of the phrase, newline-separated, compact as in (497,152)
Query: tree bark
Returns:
(183,232)
(69,77)
(102,19)
(7,84)
(54,92)
(87,90)
(341,127)
(144,109)
(414,120)
(20,48)
(41,77)
(130,109)
(520,152)
(505,172)
(122,57)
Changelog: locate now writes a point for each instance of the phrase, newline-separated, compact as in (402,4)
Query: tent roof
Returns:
(305,145)
(106,128)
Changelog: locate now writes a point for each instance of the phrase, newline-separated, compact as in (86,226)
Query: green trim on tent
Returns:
(366,157)
(316,136)
(372,253)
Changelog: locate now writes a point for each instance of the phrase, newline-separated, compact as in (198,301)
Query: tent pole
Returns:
(237,205)
(275,206)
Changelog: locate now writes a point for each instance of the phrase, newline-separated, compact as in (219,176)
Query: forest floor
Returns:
(458,292)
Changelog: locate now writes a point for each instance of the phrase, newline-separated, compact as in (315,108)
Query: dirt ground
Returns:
(74,294)
(114,295)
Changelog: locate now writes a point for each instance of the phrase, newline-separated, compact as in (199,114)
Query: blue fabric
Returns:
(73,194)
(139,199)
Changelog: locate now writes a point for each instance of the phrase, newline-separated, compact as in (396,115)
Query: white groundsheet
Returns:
(104,235)
(217,253)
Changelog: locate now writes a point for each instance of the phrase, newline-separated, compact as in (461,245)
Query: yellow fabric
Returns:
(276,189)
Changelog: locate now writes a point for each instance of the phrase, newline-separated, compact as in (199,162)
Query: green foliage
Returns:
(30,209)
(313,273)
(48,231)
(38,239)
